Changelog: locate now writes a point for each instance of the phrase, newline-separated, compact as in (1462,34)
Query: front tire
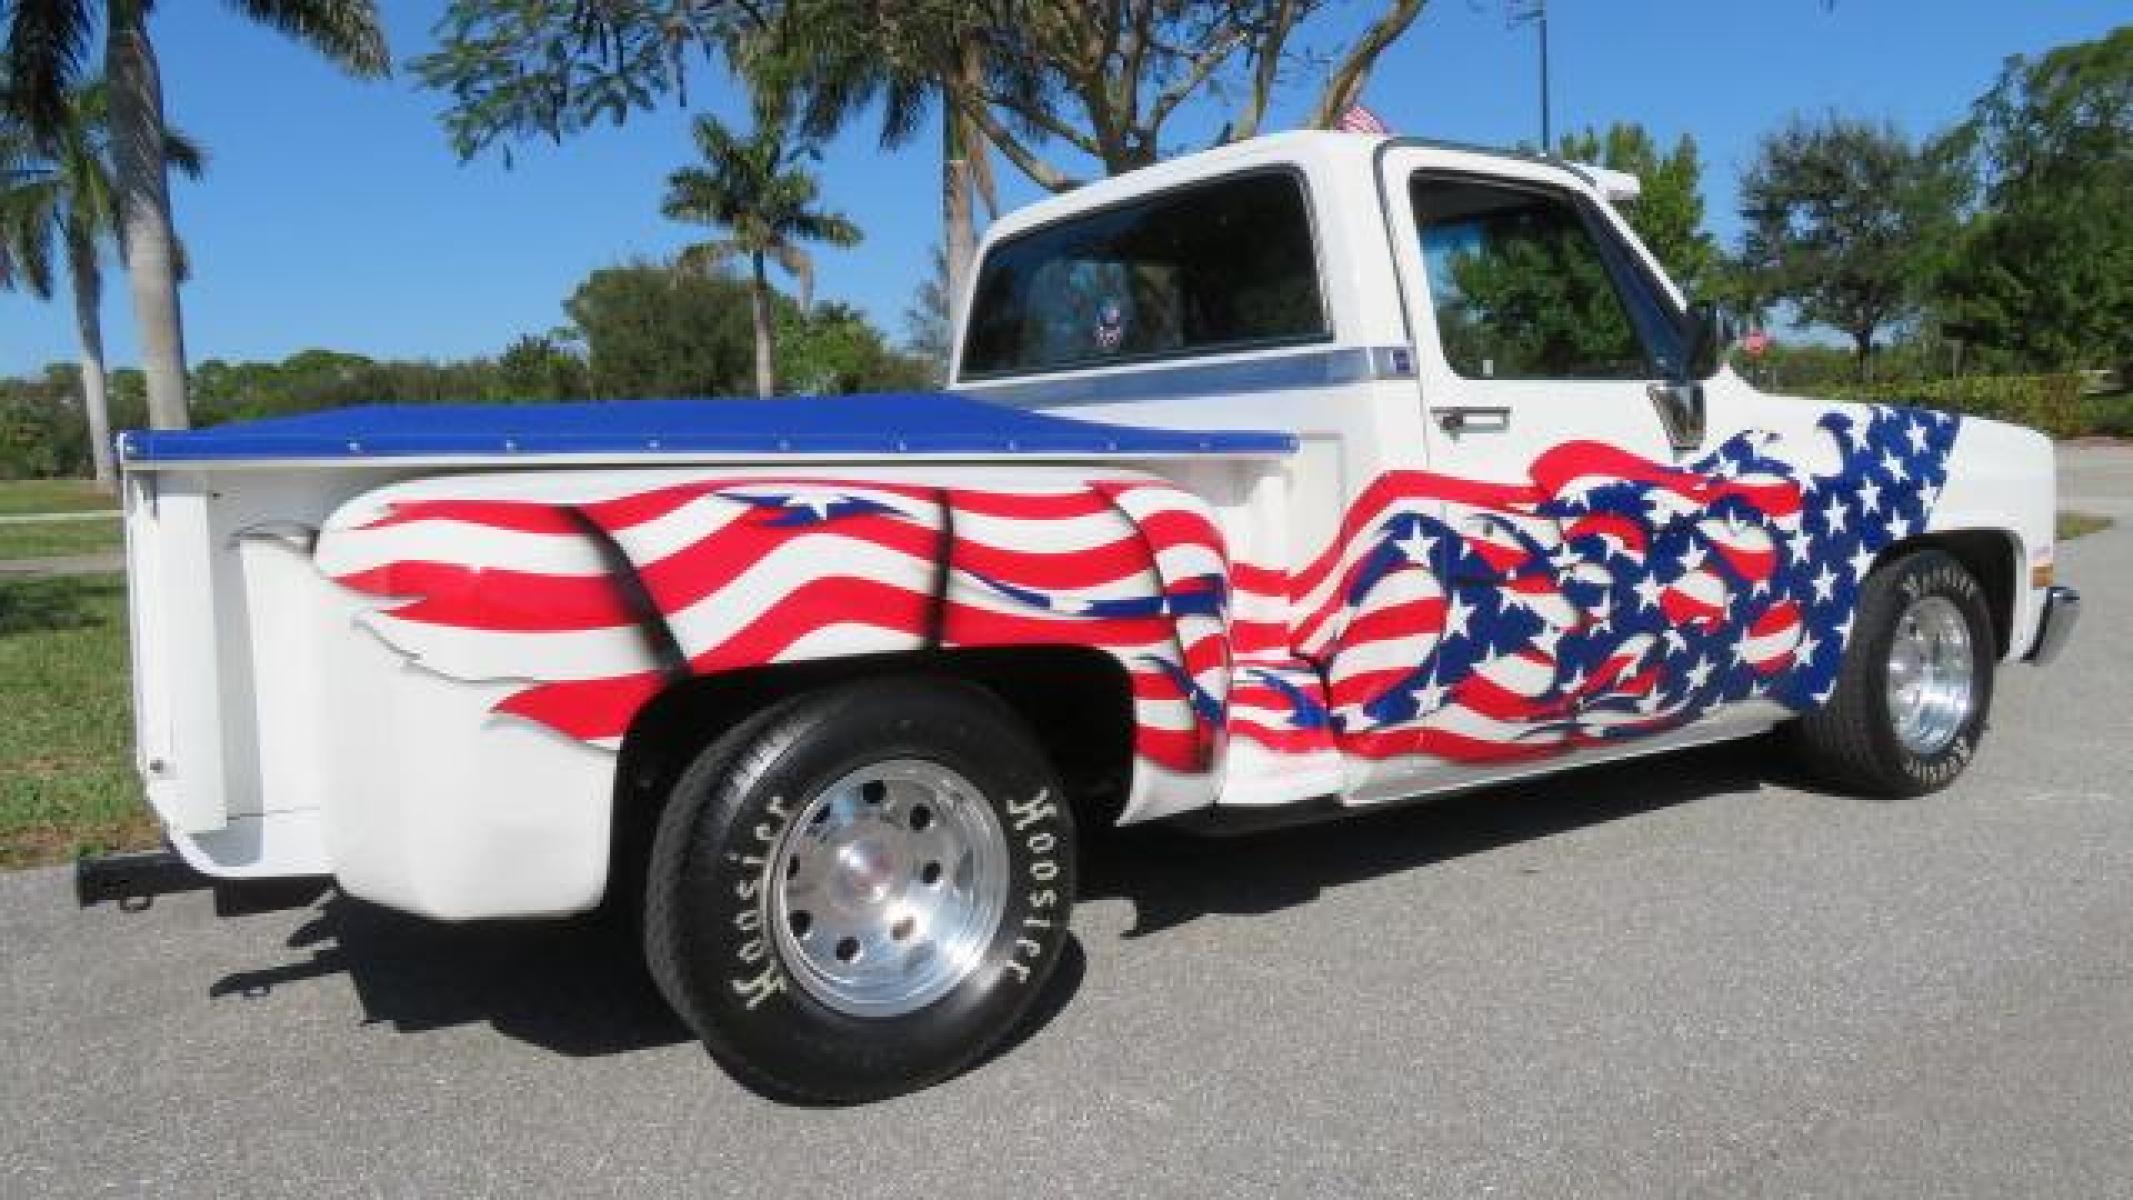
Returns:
(858,894)
(1913,695)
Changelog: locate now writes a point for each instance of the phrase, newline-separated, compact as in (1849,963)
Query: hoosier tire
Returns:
(858,893)
(1912,697)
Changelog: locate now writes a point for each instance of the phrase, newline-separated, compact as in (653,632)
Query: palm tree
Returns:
(47,42)
(837,60)
(756,190)
(60,194)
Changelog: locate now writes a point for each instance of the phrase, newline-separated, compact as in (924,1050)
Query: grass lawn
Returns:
(67,784)
(51,495)
(51,539)
(2079,524)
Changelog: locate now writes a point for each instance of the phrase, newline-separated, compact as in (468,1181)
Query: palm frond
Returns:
(347,32)
(19,160)
(834,228)
(63,190)
(715,142)
(705,258)
(91,192)
(83,270)
(184,154)
(698,197)
(89,104)
(27,225)
(81,162)
(904,104)
(801,266)
(46,44)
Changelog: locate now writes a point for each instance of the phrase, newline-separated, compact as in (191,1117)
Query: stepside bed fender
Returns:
(586,595)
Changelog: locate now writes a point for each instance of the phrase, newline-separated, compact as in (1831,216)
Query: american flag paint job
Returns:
(598,606)
(1605,597)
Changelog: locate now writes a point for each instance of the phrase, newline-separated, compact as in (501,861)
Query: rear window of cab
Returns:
(1214,267)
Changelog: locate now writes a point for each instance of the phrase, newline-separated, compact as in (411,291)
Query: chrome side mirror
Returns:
(1707,335)
(1679,400)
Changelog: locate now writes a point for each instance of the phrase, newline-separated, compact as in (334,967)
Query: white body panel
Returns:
(286,729)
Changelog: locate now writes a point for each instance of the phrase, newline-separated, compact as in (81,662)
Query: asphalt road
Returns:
(1688,977)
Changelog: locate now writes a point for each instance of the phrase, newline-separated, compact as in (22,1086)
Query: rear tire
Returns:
(1913,695)
(858,894)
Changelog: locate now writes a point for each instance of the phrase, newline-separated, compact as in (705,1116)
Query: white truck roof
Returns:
(1307,149)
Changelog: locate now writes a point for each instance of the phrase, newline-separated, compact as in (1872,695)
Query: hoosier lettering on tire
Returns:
(1916,687)
(859,892)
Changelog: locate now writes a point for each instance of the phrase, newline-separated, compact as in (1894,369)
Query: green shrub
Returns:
(2108,416)
(2052,403)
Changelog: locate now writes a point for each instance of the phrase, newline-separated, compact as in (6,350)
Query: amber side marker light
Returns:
(2040,577)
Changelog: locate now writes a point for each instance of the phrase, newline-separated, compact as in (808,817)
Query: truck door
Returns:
(1553,551)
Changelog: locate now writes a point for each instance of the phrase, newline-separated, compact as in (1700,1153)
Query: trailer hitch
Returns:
(134,880)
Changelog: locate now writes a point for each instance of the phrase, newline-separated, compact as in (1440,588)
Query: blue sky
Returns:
(335,214)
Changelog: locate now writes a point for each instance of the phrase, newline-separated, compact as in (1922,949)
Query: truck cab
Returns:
(1440,321)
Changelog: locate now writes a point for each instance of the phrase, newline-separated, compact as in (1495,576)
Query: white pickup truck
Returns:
(1309,474)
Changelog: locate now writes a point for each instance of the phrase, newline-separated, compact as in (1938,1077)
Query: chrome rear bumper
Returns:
(2062,611)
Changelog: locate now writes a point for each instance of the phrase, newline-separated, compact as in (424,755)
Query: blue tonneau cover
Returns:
(914,423)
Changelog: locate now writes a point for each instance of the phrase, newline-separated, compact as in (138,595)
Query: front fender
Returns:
(2002,478)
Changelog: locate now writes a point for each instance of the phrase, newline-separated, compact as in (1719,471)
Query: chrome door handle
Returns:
(1468,417)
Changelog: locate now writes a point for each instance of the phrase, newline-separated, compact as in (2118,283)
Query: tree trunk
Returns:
(759,294)
(959,186)
(144,211)
(958,224)
(1863,350)
(88,326)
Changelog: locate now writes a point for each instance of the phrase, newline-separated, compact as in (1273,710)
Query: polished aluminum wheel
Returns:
(887,888)
(1932,675)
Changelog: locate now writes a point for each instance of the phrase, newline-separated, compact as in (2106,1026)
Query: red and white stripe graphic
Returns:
(600,605)
(1466,620)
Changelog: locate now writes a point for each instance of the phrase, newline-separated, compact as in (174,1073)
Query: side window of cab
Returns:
(1525,284)
(1209,268)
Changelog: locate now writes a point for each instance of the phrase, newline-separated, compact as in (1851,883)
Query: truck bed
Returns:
(248,685)
(925,424)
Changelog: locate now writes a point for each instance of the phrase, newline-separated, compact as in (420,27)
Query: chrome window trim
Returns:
(1201,378)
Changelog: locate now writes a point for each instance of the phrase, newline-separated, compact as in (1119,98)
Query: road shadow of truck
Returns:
(1172,877)
(576,987)
(579,988)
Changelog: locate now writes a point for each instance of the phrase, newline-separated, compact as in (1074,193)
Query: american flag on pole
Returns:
(1361,120)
